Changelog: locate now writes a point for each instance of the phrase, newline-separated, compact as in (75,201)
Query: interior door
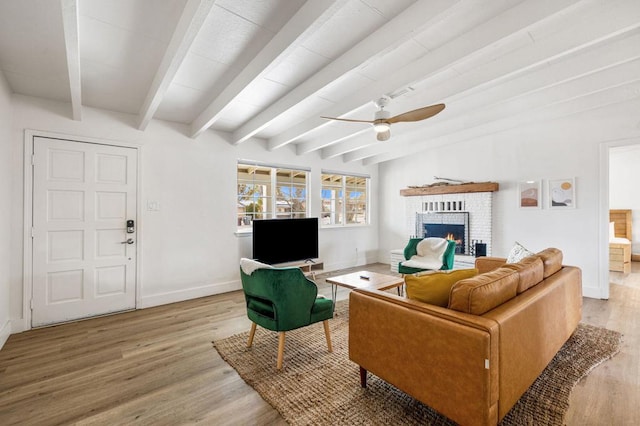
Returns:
(84,255)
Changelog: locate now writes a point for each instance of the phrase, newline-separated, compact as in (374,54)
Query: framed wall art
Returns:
(562,193)
(530,194)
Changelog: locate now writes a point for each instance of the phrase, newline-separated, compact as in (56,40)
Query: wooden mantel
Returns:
(450,189)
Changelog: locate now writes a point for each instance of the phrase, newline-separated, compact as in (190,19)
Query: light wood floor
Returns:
(158,366)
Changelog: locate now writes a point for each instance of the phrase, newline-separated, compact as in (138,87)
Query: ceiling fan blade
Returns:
(383,136)
(417,114)
(348,119)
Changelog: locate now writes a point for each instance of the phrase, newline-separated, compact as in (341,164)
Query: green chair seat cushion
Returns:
(408,270)
(322,310)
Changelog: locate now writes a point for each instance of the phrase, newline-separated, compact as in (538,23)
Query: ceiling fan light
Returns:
(381,127)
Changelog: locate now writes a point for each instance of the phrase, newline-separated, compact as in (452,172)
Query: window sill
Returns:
(350,226)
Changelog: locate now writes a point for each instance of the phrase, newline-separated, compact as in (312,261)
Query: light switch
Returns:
(153,206)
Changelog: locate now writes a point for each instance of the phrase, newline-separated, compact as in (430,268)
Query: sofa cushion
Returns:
(530,272)
(552,261)
(433,287)
(484,292)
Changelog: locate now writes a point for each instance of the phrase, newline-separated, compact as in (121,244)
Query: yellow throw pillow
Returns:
(433,287)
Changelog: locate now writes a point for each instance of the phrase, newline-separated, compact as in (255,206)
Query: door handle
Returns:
(129,241)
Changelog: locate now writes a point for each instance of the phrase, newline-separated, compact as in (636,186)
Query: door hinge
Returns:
(486,364)
(33,159)
(33,232)
(31,304)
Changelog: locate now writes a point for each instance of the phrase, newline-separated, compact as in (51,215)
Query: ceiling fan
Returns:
(383,121)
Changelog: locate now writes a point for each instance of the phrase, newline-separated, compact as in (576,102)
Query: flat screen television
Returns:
(285,240)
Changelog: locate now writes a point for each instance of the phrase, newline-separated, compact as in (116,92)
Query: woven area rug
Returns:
(320,388)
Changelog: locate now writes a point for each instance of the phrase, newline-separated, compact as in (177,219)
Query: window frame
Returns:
(344,200)
(270,192)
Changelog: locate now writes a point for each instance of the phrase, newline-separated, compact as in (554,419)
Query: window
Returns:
(269,192)
(344,199)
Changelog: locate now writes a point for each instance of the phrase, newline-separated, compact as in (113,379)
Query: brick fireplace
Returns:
(467,212)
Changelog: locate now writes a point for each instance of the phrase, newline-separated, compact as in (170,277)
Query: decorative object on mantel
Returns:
(449,188)
(450,180)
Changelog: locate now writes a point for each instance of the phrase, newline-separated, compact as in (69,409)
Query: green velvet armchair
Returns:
(410,250)
(282,299)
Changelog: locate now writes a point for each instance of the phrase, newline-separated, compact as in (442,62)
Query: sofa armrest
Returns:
(446,359)
(533,327)
(489,263)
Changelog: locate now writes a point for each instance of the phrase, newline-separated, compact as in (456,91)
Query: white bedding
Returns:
(619,240)
(613,238)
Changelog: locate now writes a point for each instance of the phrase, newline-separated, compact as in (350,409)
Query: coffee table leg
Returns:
(334,295)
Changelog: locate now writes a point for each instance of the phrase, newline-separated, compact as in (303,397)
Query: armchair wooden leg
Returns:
(252,332)
(280,350)
(327,334)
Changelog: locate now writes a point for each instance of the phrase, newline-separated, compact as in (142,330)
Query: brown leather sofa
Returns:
(473,360)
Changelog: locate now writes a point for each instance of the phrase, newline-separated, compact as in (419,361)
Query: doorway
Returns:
(623,196)
(84,229)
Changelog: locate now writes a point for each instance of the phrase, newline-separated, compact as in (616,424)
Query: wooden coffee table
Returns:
(362,279)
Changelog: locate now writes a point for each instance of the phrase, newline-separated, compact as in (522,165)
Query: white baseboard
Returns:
(19,325)
(5,332)
(187,294)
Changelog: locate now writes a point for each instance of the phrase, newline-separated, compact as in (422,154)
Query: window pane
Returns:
(291,176)
(260,196)
(356,200)
(356,213)
(353,198)
(331,200)
(254,185)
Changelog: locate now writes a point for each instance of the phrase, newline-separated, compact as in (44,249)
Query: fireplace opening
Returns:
(449,225)
(449,232)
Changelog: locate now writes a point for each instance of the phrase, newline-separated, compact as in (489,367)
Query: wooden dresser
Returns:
(619,252)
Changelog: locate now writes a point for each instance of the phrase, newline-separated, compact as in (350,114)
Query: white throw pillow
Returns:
(517,253)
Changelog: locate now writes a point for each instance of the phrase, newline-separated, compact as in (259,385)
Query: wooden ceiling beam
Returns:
(72,47)
(191,21)
(306,20)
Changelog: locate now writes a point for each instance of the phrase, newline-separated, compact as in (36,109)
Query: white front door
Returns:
(84,258)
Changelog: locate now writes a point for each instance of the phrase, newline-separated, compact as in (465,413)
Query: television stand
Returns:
(309,268)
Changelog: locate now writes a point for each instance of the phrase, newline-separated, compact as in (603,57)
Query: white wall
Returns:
(5,213)
(568,147)
(624,193)
(189,247)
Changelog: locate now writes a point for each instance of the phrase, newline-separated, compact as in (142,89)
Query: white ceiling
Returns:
(256,70)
